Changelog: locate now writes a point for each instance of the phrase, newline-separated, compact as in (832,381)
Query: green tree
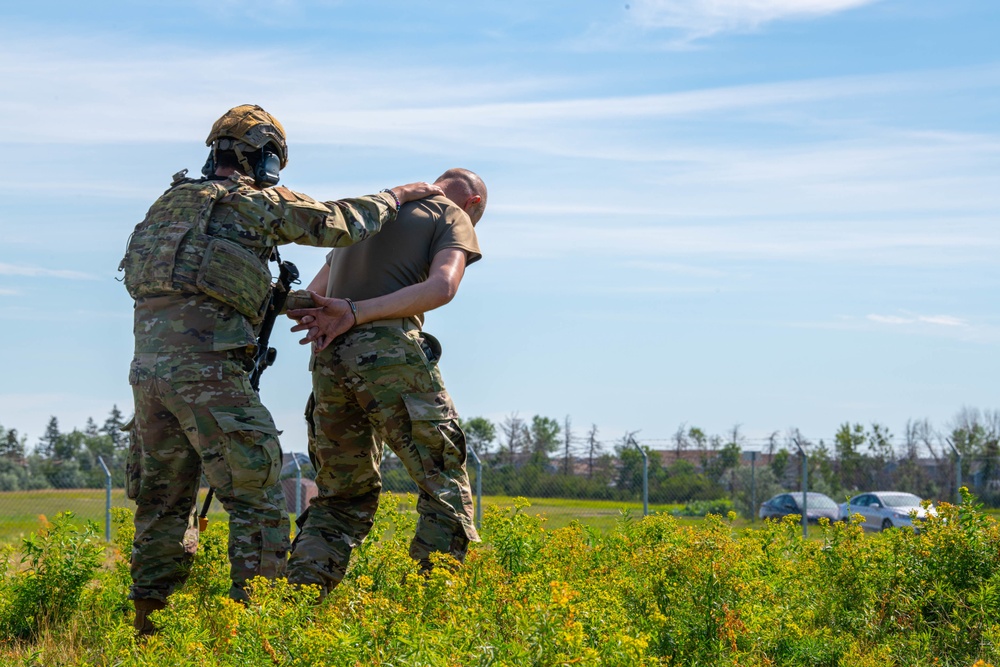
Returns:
(544,435)
(11,445)
(112,428)
(630,467)
(977,437)
(779,463)
(480,434)
(50,445)
(727,459)
(698,437)
(847,442)
(821,469)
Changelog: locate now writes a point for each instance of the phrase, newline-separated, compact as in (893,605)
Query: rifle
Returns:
(288,275)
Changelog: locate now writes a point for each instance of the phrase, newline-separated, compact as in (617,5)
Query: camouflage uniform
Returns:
(380,383)
(195,409)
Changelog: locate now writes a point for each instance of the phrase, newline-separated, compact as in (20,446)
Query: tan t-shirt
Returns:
(401,254)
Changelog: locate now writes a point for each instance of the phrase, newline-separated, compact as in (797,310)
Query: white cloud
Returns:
(981,331)
(40,272)
(321,100)
(700,18)
(890,319)
(936,320)
(930,242)
(943,320)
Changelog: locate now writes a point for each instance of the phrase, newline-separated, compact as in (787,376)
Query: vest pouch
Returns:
(235,276)
(149,261)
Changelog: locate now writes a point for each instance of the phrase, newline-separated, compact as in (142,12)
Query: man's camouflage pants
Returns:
(198,412)
(376,384)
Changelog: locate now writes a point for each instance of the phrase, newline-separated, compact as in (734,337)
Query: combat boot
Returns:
(143,608)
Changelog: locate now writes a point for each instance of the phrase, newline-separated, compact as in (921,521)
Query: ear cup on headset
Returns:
(266,173)
(209,168)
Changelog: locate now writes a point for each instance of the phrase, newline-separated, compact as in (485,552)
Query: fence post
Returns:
(479,488)
(645,476)
(753,486)
(107,500)
(805,489)
(298,491)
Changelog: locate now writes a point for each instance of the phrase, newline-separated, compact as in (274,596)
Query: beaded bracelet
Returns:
(354,310)
(398,205)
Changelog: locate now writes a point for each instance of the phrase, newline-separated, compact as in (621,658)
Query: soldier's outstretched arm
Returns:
(399,195)
(298,218)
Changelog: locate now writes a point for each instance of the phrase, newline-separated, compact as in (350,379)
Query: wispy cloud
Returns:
(41,272)
(929,243)
(902,320)
(319,101)
(700,18)
(675,268)
(976,330)
(8,292)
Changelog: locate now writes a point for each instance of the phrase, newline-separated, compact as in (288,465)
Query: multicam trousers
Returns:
(198,412)
(380,383)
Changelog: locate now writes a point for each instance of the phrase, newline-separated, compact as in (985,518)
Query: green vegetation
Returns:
(650,591)
(25,511)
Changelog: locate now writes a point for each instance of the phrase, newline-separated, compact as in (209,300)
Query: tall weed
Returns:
(57,563)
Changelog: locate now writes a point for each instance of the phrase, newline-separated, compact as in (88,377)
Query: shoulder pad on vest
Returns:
(287,195)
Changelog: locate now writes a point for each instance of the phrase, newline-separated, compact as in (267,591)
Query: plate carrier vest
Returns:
(170,252)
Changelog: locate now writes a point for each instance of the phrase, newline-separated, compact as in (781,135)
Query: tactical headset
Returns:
(265,174)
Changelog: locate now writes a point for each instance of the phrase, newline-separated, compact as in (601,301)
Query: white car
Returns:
(886,509)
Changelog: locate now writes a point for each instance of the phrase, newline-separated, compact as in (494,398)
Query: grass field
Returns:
(23,512)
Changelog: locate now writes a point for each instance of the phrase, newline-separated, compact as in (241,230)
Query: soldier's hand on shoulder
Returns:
(412,191)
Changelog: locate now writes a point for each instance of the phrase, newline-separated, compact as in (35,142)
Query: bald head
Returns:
(466,189)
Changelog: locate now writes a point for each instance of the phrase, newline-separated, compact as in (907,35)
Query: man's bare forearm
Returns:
(406,302)
(441,285)
(320,282)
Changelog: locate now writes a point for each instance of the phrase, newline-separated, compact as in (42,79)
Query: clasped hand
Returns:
(329,319)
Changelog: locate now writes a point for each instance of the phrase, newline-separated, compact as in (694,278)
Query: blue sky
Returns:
(772,213)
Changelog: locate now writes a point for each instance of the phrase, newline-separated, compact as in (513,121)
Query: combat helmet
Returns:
(251,125)
(246,130)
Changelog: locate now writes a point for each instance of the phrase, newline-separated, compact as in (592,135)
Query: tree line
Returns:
(546,457)
(543,457)
(65,460)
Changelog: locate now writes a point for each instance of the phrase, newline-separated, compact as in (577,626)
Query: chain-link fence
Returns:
(594,490)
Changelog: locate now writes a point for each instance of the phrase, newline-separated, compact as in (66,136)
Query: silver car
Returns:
(885,509)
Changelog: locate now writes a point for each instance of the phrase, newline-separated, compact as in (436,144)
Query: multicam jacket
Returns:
(197,264)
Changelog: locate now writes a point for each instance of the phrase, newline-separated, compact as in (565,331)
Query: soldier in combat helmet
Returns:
(197,267)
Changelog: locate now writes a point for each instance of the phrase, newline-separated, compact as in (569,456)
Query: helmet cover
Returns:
(251,125)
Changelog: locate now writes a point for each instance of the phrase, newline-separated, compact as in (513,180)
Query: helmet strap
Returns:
(243,160)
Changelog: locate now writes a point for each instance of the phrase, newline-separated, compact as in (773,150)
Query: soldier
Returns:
(197,269)
(376,379)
